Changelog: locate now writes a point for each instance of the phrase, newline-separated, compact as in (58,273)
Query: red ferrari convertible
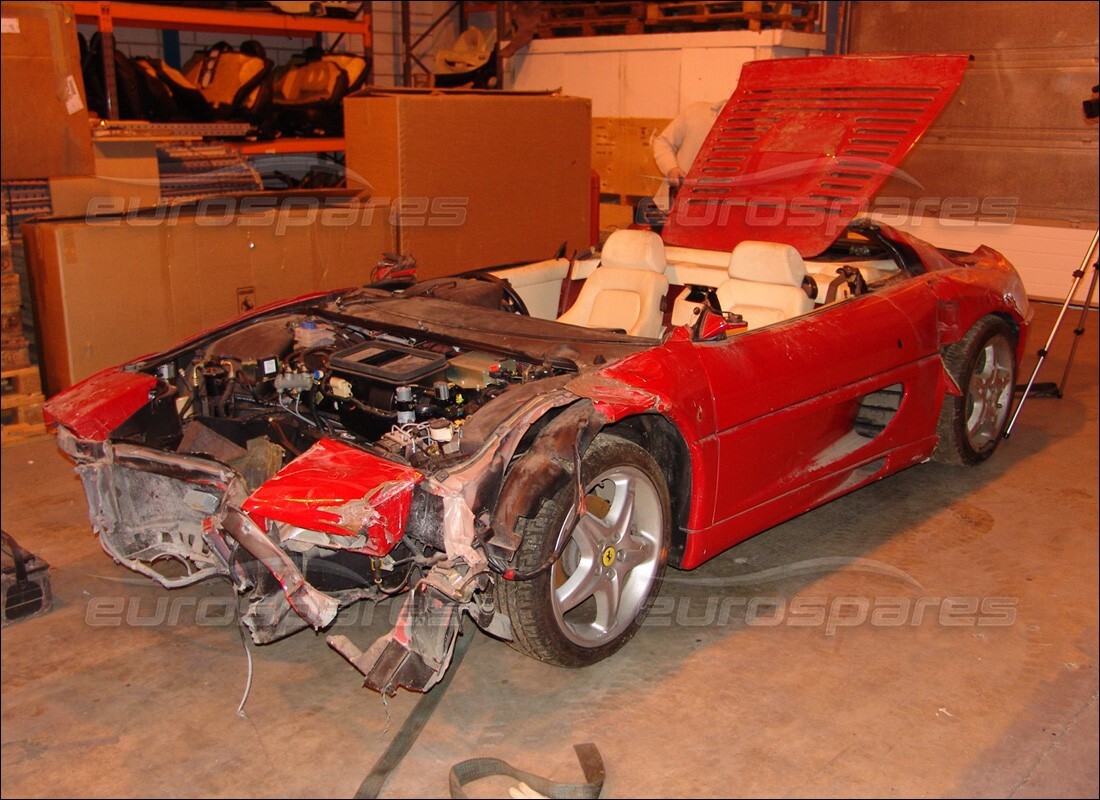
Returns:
(461,441)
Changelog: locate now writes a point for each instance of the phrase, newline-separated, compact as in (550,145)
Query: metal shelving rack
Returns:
(106,15)
(464,9)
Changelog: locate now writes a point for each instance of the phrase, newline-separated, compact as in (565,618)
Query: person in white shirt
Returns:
(676,147)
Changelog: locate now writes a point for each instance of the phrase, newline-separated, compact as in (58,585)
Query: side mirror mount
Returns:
(714,325)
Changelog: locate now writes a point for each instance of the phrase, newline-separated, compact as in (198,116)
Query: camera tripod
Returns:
(1058,390)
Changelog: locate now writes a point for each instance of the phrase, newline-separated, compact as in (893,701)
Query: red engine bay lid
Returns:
(803,144)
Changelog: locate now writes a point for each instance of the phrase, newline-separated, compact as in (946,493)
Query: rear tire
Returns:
(983,363)
(595,597)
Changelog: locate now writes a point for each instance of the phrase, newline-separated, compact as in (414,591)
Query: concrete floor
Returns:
(796,664)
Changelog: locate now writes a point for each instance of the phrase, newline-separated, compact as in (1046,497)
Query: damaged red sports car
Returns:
(461,441)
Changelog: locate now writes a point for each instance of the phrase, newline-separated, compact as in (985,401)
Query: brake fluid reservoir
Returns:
(308,333)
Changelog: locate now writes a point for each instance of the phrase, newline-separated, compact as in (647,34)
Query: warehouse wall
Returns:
(651,75)
(1013,162)
(387,36)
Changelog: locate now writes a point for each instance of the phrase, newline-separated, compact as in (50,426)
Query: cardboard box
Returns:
(622,154)
(42,102)
(127,178)
(475,179)
(111,289)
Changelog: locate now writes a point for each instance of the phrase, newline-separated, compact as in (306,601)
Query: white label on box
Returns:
(9,25)
(73,103)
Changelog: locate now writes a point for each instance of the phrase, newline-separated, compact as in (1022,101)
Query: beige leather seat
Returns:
(765,283)
(626,290)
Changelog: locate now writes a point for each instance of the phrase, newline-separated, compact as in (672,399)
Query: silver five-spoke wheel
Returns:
(989,393)
(603,579)
(608,560)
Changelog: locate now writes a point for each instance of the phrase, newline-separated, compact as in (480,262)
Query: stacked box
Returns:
(474,179)
(21,410)
(14,353)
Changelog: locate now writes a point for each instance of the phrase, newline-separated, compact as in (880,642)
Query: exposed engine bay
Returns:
(295,378)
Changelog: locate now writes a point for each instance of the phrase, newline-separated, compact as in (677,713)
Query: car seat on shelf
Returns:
(468,62)
(308,92)
(767,283)
(145,88)
(626,290)
(357,68)
(234,82)
(177,97)
(130,94)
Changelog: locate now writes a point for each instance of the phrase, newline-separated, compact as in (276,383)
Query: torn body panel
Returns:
(342,490)
(550,462)
(314,607)
(416,653)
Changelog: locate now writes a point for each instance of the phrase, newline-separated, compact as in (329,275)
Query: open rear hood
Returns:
(803,145)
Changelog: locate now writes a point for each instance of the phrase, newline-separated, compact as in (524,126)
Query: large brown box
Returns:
(110,289)
(42,102)
(622,154)
(475,179)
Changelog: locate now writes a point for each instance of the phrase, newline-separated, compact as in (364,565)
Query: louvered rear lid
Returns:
(803,145)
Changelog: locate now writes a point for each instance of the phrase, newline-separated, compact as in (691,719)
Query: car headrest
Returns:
(767,262)
(628,249)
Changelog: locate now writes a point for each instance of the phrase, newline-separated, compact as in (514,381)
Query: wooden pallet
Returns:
(21,405)
(756,16)
(11,322)
(591,19)
(609,26)
(9,289)
(14,434)
(609,9)
(611,18)
(14,353)
(25,382)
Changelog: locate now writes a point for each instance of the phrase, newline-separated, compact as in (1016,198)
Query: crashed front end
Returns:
(252,455)
(181,518)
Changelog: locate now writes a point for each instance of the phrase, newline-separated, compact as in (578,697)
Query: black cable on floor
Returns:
(403,741)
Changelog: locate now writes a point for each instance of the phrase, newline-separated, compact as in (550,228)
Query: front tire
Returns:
(595,597)
(983,363)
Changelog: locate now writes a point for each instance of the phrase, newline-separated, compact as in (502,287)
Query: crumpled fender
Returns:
(979,281)
(544,469)
(98,404)
(556,453)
